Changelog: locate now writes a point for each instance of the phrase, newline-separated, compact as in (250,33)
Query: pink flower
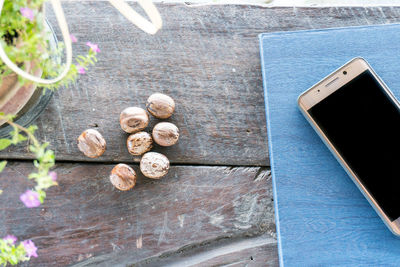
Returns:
(30,248)
(30,199)
(81,70)
(27,13)
(10,238)
(73,38)
(53,176)
(94,47)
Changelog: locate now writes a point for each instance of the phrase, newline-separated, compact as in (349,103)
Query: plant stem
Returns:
(26,131)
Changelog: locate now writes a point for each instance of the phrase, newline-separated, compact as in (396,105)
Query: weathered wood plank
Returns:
(248,251)
(218,109)
(206,57)
(86,220)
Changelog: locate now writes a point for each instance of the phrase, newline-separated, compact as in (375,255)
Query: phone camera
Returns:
(344,72)
(318,90)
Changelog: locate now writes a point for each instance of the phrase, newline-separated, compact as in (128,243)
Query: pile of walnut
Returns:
(134,120)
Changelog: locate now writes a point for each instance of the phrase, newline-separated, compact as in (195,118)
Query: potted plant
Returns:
(28,60)
(27,55)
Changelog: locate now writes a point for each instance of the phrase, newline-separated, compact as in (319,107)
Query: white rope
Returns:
(134,17)
(68,46)
(147,26)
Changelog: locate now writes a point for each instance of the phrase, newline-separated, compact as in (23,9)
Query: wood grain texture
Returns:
(86,220)
(219,104)
(206,58)
(249,251)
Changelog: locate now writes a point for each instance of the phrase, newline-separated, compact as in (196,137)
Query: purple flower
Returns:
(27,13)
(94,47)
(73,38)
(30,248)
(30,199)
(81,70)
(10,238)
(53,176)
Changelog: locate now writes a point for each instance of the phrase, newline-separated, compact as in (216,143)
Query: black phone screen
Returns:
(363,124)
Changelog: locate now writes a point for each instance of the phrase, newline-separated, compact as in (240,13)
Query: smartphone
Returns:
(358,118)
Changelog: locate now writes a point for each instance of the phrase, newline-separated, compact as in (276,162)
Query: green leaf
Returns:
(32,148)
(4,143)
(10,117)
(36,163)
(48,156)
(14,135)
(31,129)
(13,259)
(2,165)
(21,138)
(42,195)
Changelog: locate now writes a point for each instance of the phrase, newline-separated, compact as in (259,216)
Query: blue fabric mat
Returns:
(322,218)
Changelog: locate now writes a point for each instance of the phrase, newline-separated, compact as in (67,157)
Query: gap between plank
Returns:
(137,163)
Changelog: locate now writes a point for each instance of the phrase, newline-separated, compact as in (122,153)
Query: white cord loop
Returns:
(147,26)
(134,17)
(68,46)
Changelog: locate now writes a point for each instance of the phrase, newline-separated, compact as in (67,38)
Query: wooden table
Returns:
(215,207)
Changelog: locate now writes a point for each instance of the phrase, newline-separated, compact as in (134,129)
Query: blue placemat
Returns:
(322,218)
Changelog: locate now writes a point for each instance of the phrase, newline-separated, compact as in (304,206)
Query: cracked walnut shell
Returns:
(133,119)
(165,134)
(160,106)
(91,143)
(123,177)
(139,143)
(154,165)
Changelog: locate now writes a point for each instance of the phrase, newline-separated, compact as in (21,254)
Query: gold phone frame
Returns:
(323,89)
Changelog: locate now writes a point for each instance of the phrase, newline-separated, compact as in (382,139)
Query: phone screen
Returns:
(363,124)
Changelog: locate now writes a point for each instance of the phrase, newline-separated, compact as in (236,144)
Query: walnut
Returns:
(133,119)
(160,106)
(139,143)
(165,134)
(154,165)
(123,177)
(91,143)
